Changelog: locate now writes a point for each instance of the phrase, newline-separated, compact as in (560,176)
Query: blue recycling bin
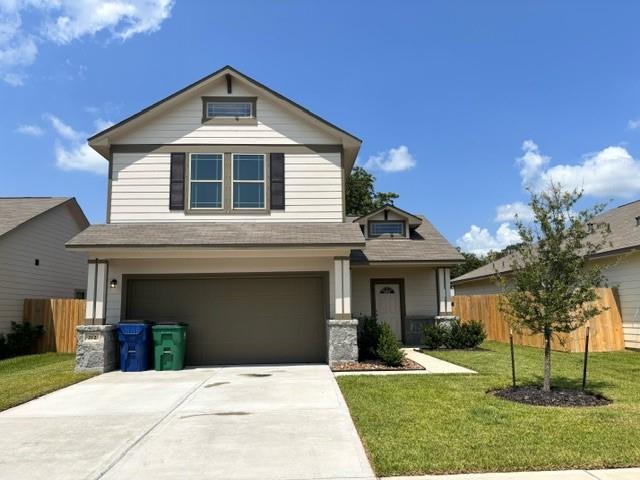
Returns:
(135,346)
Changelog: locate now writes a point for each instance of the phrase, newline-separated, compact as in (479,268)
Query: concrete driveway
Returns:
(266,422)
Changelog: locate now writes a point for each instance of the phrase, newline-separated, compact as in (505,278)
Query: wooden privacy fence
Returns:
(59,317)
(605,330)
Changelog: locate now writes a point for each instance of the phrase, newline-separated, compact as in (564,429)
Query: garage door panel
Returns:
(238,320)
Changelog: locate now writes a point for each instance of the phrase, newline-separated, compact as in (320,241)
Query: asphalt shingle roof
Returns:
(426,244)
(15,211)
(624,235)
(218,234)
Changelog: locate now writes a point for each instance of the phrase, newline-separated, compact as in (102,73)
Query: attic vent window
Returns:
(229,110)
(377,228)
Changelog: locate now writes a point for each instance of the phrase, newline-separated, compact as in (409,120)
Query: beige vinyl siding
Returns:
(625,275)
(118,267)
(419,285)
(60,272)
(182,123)
(140,190)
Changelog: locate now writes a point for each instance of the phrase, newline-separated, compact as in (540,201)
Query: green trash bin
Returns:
(169,345)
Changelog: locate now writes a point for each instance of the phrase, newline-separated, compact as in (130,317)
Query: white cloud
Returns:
(102,124)
(509,212)
(633,124)
(479,241)
(31,130)
(71,150)
(122,18)
(611,172)
(531,163)
(63,21)
(393,160)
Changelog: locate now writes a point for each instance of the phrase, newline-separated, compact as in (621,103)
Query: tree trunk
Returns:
(547,360)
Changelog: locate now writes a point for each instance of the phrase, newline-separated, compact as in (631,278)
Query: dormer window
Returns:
(386,227)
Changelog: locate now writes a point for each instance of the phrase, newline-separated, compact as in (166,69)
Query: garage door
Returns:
(237,320)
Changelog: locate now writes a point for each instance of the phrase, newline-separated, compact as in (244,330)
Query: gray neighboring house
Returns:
(33,260)
(226,210)
(620,261)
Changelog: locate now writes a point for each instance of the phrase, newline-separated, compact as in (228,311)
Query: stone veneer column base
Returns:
(445,319)
(342,341)
(97,348)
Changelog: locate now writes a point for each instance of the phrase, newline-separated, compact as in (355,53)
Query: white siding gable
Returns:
(182,123)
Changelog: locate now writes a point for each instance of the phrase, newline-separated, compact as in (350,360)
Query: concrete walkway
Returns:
(235,423)
(431,366)
(614,474)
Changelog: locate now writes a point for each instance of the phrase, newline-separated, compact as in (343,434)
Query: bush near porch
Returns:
(417,424)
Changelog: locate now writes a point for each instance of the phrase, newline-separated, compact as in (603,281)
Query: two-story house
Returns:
(226,211)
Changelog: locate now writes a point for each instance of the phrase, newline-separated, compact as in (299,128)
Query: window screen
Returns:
(383,228)
(248,181)
(229,109)
(206,180)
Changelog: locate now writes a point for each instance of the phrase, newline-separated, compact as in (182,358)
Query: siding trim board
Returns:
(231,147)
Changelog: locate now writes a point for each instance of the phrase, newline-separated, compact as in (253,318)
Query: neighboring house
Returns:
(33,260)
(226,211)
(620,259)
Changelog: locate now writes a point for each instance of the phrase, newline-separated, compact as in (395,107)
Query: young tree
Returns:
(551,288)
(360,193)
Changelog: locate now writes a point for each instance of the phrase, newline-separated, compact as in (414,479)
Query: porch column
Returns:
(342,288)
(96,349)
(444,291)
(342,331)
(97,272)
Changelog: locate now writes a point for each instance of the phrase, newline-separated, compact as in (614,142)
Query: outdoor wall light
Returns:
(114,283)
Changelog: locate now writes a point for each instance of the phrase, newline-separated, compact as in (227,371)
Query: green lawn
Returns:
(31,376)
(415,424)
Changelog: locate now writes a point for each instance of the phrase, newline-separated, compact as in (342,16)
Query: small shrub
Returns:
(433,336)
(476,334)
(369,334)
(20,340)
(388,350)
(465,335)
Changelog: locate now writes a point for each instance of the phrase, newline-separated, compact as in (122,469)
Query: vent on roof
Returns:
(638,221)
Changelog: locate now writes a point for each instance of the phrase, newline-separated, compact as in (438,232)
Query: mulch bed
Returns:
(557,397)
(368,365)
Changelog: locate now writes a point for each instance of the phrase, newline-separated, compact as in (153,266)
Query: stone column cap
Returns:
(95,328)
(342,322)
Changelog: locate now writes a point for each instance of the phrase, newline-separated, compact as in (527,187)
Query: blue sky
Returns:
(467,101)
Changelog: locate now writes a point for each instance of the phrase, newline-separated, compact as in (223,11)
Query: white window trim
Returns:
(251,114)
(263,181)
(221,182)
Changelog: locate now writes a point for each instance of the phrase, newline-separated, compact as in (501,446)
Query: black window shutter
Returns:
(277,181)
(176,190)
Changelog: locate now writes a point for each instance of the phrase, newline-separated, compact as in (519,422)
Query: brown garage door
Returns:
(237,320)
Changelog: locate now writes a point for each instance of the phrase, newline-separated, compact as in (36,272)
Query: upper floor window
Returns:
(248,181)
(229,109)
(205,175)
(388,227)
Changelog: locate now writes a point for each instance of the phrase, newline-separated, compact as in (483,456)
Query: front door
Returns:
(388,306)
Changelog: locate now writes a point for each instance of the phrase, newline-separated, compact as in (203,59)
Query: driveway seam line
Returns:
(592,474)
(124,453)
